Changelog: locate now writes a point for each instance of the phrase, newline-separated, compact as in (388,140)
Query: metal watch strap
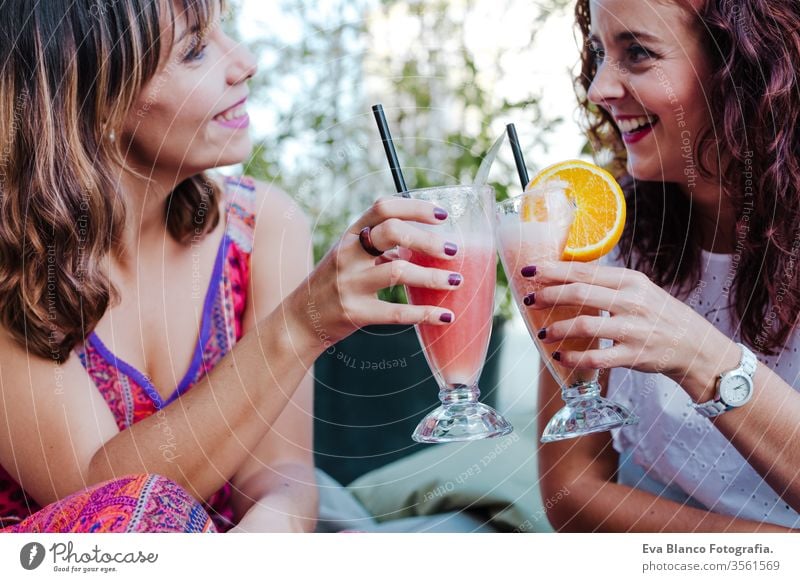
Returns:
(748,364)
(711,408)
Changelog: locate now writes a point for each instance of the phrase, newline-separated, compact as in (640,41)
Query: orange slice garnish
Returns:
(600,208)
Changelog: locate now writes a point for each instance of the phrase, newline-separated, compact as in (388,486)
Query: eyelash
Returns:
(638,53)
(598,54)
(195,53)
(635,53)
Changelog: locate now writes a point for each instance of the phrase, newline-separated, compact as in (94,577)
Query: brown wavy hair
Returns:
(71,73)
(754,101)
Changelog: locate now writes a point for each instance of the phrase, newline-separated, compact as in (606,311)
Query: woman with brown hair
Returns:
(157,319)
(698,102)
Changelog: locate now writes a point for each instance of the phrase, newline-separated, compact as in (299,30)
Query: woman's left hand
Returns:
(652,330)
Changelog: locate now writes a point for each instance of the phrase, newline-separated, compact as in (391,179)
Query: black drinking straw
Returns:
(391,154)
(518,159)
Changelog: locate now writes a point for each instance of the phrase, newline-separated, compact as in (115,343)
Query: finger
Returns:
(401,208)
(576,272)
(388,257)
(583,327)
(397,233)
(350,255)
(401,272)
(396,254)
(382,312)
(590,359)
(583,295)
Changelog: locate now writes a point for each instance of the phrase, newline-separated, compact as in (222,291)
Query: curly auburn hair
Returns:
(754,101)
(71,73)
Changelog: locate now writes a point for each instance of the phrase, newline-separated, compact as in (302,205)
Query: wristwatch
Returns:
(734,388)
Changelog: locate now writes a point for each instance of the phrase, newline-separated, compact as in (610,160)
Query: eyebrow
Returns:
(628,35)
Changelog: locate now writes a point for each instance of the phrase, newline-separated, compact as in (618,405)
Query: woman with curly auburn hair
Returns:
(698,103)
(158,321)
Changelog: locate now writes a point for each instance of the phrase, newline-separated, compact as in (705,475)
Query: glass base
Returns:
(585,412)
(461,418)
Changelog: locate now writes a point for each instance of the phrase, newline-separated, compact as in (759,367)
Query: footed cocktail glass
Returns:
(456,352)
(532,229)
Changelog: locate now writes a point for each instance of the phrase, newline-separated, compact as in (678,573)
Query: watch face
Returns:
(735,390)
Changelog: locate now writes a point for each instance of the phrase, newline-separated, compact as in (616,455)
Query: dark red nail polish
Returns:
(440,213)
(557,356)
(542,333)
(450,249)
(529,299)
(455,280)
(528,271)
(446,317)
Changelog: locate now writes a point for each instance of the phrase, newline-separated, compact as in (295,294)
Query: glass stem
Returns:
(580,391)
(459,394)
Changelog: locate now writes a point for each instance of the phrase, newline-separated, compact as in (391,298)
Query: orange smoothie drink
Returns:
(456,352)
(525,240)
(571,211)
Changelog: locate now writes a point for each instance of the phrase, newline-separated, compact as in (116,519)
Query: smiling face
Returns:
(650,70)
(191,115)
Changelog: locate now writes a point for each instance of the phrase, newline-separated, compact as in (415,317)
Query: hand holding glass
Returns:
(456,352)
(532,229)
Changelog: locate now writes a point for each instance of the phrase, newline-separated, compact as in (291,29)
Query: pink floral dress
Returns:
(131,397)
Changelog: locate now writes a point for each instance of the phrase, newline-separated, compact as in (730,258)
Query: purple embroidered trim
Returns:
(197,360)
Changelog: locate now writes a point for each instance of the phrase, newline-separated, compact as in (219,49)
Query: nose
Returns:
(608,84)
(243,65)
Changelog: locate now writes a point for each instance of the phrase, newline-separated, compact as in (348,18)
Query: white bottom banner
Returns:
(490,557)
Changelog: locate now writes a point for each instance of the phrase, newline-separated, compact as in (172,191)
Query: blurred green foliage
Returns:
(322,69)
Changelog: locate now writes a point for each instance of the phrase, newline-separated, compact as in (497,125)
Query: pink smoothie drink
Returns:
(532,243)
(456,352)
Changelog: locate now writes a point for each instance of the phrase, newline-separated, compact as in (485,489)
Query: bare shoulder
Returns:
(278,211)
(282,250)
(283,231)
(277,214)
(55,419)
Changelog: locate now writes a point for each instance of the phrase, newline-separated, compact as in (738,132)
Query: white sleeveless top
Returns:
(680,453)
